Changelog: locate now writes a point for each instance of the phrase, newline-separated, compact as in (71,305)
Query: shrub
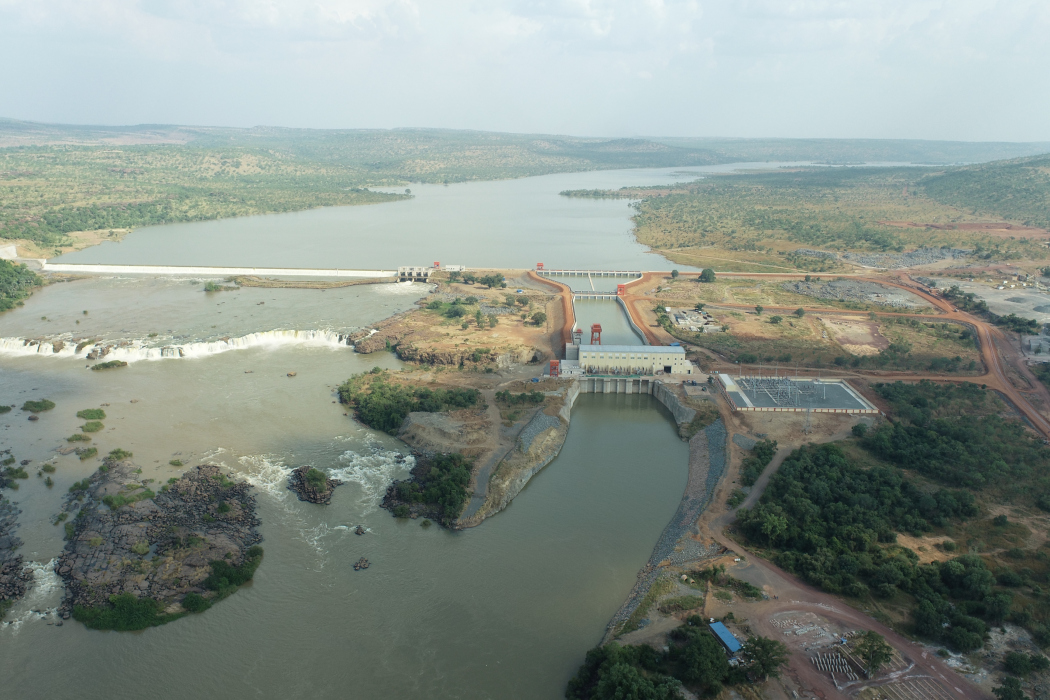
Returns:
(38,406)
(48,468)
(195,603)
(223,507)
(402,511)
(4,409)
(92,426)
(736,498)
(175,462)
(140,548)
(317,479)
(755,463)
(78,437)
(118,455)
(225,578)
(86,453)
(91,414)
(125,613)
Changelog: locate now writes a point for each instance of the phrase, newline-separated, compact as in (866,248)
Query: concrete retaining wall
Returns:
(634,326)
(211,271)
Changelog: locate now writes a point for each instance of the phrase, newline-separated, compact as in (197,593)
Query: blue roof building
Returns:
(725,637)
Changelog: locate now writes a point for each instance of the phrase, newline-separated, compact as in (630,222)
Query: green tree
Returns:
(800,312)
(700,306)
(776,319)
(1009,690)
(625,682)
(674,274)
(874,651)
(707,276)
(700,660)
(774,526)
(758,309)
(539,318)
(477,318)
(764,657)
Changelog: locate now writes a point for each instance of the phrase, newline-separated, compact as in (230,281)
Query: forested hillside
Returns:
(1017,190)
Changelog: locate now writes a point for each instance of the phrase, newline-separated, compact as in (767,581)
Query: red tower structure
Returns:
(621,289)
(539,266)
(596,334)
(555,368)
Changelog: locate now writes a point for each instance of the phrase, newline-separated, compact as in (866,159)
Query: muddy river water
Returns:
(505,610)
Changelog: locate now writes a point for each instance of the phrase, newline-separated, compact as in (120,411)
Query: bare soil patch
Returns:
(858,337)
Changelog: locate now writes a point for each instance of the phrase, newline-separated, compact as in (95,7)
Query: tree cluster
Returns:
(383,405)
(694,659)
(439,481)
(15,283)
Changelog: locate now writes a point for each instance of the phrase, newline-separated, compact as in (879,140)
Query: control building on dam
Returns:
(634,359)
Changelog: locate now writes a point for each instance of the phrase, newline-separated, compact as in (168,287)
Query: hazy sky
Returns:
(952,69)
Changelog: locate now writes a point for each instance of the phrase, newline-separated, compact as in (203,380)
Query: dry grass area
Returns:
(430,336)
(931,339)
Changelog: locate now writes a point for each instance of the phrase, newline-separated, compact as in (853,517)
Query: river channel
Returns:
(504,610)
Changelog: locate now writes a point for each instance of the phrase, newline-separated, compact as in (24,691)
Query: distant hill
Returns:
(859,150)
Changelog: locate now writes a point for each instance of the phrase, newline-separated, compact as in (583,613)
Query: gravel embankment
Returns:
(707,464)
(540,422)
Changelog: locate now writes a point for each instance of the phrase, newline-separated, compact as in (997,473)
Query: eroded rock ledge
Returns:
(312,485)
(164,546)
(14,576)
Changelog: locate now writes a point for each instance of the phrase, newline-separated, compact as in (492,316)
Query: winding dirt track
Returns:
(996,350)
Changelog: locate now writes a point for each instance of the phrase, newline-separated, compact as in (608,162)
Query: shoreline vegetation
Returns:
(16,283)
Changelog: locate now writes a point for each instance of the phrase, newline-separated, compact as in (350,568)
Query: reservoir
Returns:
(496,224)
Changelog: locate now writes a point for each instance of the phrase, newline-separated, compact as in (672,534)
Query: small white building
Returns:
(634,359)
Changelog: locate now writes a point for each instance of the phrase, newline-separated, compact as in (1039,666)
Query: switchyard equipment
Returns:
(755,392)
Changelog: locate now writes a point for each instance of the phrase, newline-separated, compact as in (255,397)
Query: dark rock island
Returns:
(135,558)
(312,485)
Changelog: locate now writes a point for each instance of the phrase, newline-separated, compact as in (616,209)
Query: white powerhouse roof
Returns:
(651,349)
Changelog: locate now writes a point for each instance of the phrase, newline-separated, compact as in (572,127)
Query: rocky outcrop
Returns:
(382,340)
(124,538)
(311,489)
(14,576)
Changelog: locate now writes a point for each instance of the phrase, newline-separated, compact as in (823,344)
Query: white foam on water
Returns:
(266,473)
(373,472)
(405,288)
(40,601)
(139,350)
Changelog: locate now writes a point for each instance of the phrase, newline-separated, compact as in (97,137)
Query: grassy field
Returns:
(755,221)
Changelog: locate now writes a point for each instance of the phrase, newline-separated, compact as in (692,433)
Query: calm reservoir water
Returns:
(498,224)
